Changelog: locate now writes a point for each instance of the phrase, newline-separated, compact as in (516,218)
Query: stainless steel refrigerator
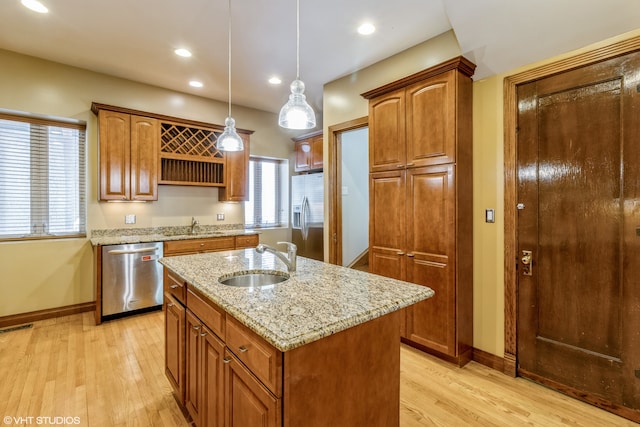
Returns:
(307,214)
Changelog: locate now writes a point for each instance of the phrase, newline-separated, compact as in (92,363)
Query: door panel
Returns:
(386,116)
(430,237)
(578,162)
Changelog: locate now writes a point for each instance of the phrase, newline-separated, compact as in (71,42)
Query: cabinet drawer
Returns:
(259,356)
(198,245)
(247,241)
(211,315)
(174,285)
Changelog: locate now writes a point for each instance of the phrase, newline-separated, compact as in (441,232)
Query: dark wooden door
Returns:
(579,219)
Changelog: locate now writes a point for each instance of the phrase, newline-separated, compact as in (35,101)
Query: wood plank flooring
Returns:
(113,375)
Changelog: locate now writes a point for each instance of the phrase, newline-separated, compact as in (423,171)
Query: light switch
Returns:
(489,216)
(130,219)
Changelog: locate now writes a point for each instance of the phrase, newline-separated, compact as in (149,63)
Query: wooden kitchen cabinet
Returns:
(309,152)
(194,246)
(249,402)
(421,201)
(128,156)
(236,172)
(175,316)
(204,387)
(248,241)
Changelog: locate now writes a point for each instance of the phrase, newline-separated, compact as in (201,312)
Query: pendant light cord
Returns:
(229,58)
(297,39)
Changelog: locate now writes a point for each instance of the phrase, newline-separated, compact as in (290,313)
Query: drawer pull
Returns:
(226,360)
(173,286)
(203,334)
(411,255)
(243,349)
(201,244)
(169,304)
(196,327)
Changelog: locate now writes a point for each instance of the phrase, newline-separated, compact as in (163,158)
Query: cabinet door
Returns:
(303,156)
(174,345)
(115,155)
(387,200)
(145,142)
(248,402)
(236,170)
(431,255)
(387,132)
(431,121)
(194,378)
(317,161)
(212,368)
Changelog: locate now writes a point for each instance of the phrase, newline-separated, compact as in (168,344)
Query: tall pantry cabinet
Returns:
(420,160)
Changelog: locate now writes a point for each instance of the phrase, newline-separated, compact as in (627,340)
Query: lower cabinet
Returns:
(174,322)
(212,383)
(205,373)
(249,403)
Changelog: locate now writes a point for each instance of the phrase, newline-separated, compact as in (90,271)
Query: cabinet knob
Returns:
(173,286)
(243,349)
(411,255)
(400,253)
(226,360)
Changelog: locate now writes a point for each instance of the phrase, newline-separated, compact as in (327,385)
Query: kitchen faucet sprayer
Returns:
(289,260)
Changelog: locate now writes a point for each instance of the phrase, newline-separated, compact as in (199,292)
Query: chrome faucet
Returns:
(289,260)
(194,224)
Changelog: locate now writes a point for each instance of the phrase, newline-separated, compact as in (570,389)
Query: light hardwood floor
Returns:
(113,375)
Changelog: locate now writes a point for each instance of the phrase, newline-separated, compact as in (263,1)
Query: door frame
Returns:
(597,54)
(335,184)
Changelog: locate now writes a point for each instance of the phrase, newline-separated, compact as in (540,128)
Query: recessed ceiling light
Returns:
(195,83)
(366,29)
(275,80)
(182,52)
(35,5)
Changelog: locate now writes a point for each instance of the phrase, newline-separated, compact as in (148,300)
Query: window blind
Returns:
(42,178)
(264,207)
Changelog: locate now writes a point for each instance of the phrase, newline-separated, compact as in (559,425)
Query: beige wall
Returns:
(47,274)
(342,102)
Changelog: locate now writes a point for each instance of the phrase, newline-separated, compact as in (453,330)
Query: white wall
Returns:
(355,194)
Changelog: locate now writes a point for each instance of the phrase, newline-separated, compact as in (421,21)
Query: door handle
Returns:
(527,262)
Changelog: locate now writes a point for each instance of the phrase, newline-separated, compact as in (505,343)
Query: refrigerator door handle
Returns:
(305,218)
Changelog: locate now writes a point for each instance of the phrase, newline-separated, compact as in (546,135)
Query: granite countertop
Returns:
(318,300)
(120,236)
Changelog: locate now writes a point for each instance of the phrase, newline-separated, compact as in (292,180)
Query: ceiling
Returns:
(136,39)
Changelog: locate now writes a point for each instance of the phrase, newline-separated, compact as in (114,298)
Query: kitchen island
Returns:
(319,349)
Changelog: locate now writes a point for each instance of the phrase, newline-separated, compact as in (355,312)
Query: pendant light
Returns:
(296,113)
(229,140)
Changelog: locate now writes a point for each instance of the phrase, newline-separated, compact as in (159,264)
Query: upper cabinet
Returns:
(140,150)
(414,122)
(128,156)
(236,179)
(309,152)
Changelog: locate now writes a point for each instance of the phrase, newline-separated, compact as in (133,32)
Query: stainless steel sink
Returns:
(254,279)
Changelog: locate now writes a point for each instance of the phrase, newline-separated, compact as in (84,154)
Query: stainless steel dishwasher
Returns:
(131,278)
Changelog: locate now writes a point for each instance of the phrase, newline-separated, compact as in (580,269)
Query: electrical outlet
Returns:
(130,219)
(220,217)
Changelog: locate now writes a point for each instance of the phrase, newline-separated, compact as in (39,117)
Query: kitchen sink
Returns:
(254,279)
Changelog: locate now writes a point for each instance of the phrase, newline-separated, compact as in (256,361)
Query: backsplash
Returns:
(175,230)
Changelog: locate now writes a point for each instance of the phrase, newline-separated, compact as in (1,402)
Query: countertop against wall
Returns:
(120,236)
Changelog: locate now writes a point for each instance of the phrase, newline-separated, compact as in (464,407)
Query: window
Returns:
(42,177)
(268,193)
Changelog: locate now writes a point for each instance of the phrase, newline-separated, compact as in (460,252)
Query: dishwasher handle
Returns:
(132,251)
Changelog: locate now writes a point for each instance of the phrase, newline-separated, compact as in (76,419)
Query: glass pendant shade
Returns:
(229,140)
(297,113)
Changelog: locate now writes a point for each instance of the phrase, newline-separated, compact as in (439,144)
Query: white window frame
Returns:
(253,206)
